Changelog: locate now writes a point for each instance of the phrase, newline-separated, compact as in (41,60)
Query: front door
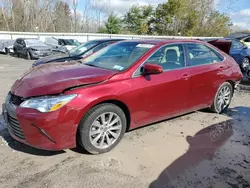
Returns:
(162,95)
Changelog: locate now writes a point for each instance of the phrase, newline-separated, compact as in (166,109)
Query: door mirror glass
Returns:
(151,69)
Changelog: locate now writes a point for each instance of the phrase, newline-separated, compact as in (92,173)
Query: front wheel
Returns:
(6,51)
(16,53)
(28,55)
(223,98)
(102,128)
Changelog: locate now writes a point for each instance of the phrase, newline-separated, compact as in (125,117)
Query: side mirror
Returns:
(151,69)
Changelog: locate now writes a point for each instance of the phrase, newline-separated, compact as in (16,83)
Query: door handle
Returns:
(185,76)
(222,67)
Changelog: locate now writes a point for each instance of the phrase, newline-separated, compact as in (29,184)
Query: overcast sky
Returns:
(238,10)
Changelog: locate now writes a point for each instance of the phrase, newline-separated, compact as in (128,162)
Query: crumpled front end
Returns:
(50,131)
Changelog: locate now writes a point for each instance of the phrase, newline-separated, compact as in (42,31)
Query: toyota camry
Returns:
(121,87)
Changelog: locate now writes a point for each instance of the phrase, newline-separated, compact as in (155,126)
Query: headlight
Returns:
(34,49)
(48,103)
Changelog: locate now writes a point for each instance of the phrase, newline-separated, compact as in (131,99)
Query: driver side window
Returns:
(169,57)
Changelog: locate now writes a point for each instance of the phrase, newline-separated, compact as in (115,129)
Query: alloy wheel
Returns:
(245,63)
(105,130)
(224,97)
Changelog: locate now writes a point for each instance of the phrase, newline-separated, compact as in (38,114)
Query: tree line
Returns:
(174,17)
(50,15)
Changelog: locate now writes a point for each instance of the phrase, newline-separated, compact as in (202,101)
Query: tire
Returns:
(92,123)
(219,107)
(16,53)
(6,51)
(28,55)
(245,64)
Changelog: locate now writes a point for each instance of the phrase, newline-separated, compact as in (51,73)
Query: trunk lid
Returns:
(223,45)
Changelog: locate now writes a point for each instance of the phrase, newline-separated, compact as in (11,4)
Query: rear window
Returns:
(199,54)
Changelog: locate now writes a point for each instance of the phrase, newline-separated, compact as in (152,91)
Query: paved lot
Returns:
(200,149)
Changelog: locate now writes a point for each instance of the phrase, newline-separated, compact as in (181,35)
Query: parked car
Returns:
(62,45)
(79,52)
(121,87)
(240,53)
(243,37)
(31,48)
(6,46)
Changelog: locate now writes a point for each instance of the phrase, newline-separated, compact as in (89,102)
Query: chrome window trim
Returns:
(185,58)
(169,44)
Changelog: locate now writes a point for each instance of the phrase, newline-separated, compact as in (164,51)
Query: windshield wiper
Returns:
(91,65)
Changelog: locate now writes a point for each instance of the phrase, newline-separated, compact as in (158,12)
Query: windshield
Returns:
(83,48)
(34,42)
(71,42)
(119,56)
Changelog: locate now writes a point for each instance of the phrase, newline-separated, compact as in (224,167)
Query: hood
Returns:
(55,78)
(42,47)
(223,45)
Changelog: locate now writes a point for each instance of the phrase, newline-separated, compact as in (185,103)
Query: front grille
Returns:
(16,100)
(44,50)
(15,127)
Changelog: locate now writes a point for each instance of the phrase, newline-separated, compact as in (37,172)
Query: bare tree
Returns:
(5,13)
(74,7)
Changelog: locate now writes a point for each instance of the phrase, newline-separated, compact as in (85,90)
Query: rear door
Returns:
(162,95)
(207,69)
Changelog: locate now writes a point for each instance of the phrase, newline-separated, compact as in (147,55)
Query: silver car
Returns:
(31,48)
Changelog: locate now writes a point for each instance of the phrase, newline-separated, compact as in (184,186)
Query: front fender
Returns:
(92,95)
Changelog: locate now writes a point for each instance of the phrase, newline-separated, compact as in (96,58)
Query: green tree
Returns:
(217,25)
(138,19)
(190,18)
(113,25)
(102,29)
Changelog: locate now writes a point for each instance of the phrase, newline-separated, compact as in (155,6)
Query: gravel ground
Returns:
(200,149)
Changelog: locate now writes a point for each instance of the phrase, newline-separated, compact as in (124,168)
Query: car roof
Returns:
(164,41)
(239,35)
(27,39)
(231,39)
(106,40)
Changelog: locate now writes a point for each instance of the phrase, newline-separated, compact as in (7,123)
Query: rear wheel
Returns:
(223,98)
(102,128)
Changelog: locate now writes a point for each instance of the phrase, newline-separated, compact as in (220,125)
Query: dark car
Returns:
(121,87)
(78,52)
(31,48)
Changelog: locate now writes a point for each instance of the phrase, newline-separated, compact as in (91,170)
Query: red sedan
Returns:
(119,88)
